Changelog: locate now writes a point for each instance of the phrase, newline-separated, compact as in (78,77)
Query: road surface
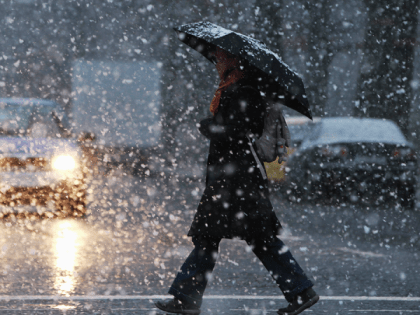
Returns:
(124,255)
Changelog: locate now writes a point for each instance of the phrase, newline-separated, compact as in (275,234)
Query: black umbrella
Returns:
(280,80)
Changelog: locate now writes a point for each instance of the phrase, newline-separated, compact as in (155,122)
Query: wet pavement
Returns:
(211,305)
(125,254)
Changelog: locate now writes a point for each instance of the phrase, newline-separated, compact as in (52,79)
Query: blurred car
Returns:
(41,166)
(300,128)
(364,159)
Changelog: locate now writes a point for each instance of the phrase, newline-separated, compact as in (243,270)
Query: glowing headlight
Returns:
(64,163)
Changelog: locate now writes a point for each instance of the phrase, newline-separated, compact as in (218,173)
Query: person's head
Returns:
(224,61)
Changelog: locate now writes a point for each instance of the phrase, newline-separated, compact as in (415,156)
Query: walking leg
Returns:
(284,269)
(191,281)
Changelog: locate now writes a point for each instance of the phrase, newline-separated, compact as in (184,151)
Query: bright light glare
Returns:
(64,163)
(66,252)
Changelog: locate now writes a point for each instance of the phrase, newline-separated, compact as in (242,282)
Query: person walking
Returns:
(235,202)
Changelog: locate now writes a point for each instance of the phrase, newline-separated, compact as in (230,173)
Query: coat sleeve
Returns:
(243,112)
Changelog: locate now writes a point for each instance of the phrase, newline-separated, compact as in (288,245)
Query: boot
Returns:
(300,302)
(176,306)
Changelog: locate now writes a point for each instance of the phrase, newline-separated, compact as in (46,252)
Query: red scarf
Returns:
(229,72)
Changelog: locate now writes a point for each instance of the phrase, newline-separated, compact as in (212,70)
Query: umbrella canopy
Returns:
(279,80)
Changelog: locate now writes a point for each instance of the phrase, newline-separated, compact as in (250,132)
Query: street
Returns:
(127,251)
(122,106)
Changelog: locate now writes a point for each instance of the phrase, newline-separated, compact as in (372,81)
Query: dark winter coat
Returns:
(235,202)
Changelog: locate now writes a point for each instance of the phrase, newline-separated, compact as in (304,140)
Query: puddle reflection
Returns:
(64,307)
(66,249)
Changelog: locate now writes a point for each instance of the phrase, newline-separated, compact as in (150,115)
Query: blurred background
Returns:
(133,95)
(357,58)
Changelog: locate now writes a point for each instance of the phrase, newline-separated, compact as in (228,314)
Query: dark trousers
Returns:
(191,281)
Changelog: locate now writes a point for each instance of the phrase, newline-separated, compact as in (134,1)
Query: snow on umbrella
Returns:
(280,80)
